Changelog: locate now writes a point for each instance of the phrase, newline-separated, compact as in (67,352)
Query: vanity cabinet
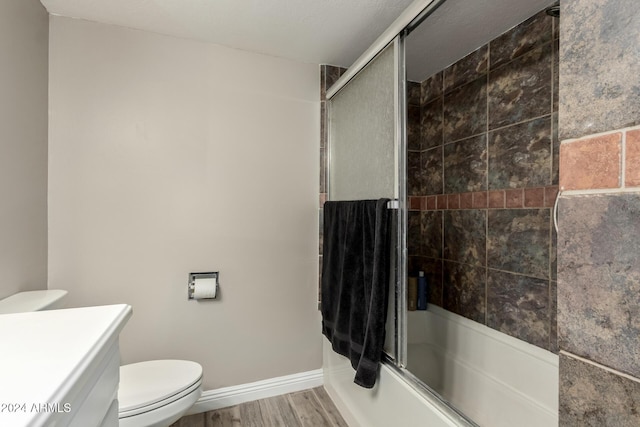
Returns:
(61,367)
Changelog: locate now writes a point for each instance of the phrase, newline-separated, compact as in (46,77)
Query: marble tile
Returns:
(467,69)
(519,306)
(520,155)
(465,236)
(431,202)
(521,89)
(553,316)
(497,199)
(632,159)
(553,261)
(599,62)
(556,75)
(433,271)
(415,175)
(431,124)
(465,111)
(519,40)
(514,198)
(555,154)
(441,201)
(463,290)
(466,200)
(465,165)
(323,79)
(413,93)
(550,195)
(599,279)
(591,163)
(415,203)
(431,232)
(414,128)
(453,201)
(414,233)
(518,241)
(431,88)
(323,170)
(591,396)
(329,74)
(534,197)
(480,199)
(432,171)
(323,124)
(321,230)
(320,279)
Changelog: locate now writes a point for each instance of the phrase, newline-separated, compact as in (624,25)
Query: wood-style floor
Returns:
(308,408)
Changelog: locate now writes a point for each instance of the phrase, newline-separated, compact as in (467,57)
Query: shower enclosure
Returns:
(465,139)
(365,113)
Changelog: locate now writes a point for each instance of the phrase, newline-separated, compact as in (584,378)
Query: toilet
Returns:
(154,393)
(157,393)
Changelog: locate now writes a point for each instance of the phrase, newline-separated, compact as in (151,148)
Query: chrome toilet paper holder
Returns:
(192,282)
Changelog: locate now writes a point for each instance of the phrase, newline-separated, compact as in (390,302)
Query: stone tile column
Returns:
(599,213)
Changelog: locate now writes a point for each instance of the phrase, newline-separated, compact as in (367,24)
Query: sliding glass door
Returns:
(366,155)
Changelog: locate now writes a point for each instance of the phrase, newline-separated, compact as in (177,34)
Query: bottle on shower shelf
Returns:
(422,291)
(412,295)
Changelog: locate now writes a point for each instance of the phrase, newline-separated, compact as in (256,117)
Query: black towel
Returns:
(355,282)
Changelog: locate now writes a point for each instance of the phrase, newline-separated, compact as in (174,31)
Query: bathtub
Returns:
(495,379)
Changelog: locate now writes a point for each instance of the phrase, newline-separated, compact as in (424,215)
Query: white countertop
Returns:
(45,354)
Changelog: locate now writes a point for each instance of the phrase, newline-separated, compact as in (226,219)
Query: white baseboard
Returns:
(234,395)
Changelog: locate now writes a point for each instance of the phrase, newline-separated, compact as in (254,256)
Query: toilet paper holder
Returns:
(191,287)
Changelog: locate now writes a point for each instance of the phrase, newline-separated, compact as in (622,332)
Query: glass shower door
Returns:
(365,153)
(362,133)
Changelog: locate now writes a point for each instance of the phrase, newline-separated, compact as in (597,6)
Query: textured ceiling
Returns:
(317,31)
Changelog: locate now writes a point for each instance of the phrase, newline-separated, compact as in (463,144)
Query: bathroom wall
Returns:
(169,156)
(23,146)
(482,181)
(599,211)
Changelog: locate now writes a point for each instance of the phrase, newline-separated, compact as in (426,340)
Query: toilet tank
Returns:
(48,299)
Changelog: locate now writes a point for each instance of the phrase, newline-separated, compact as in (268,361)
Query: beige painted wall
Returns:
(169,156)
(23,146)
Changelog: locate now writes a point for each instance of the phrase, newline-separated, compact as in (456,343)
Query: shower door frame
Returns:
(395,35)
(397,356)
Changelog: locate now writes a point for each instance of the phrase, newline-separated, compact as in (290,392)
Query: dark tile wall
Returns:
(483,179)
(329,74)
(601,315)
(599,63)
(593,396)
(598,293)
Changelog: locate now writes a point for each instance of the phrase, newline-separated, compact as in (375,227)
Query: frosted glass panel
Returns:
(362,133)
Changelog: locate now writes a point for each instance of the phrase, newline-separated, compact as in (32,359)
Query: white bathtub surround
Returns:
(392,401)
(494,379)
(60,367)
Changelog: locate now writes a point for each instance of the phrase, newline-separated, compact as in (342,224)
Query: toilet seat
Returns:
(147,386)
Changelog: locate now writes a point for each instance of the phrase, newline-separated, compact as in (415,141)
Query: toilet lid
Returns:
(145,383)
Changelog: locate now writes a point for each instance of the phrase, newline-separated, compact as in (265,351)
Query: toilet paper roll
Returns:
(205,288)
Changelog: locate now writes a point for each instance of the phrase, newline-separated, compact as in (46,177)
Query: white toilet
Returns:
(151,394)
